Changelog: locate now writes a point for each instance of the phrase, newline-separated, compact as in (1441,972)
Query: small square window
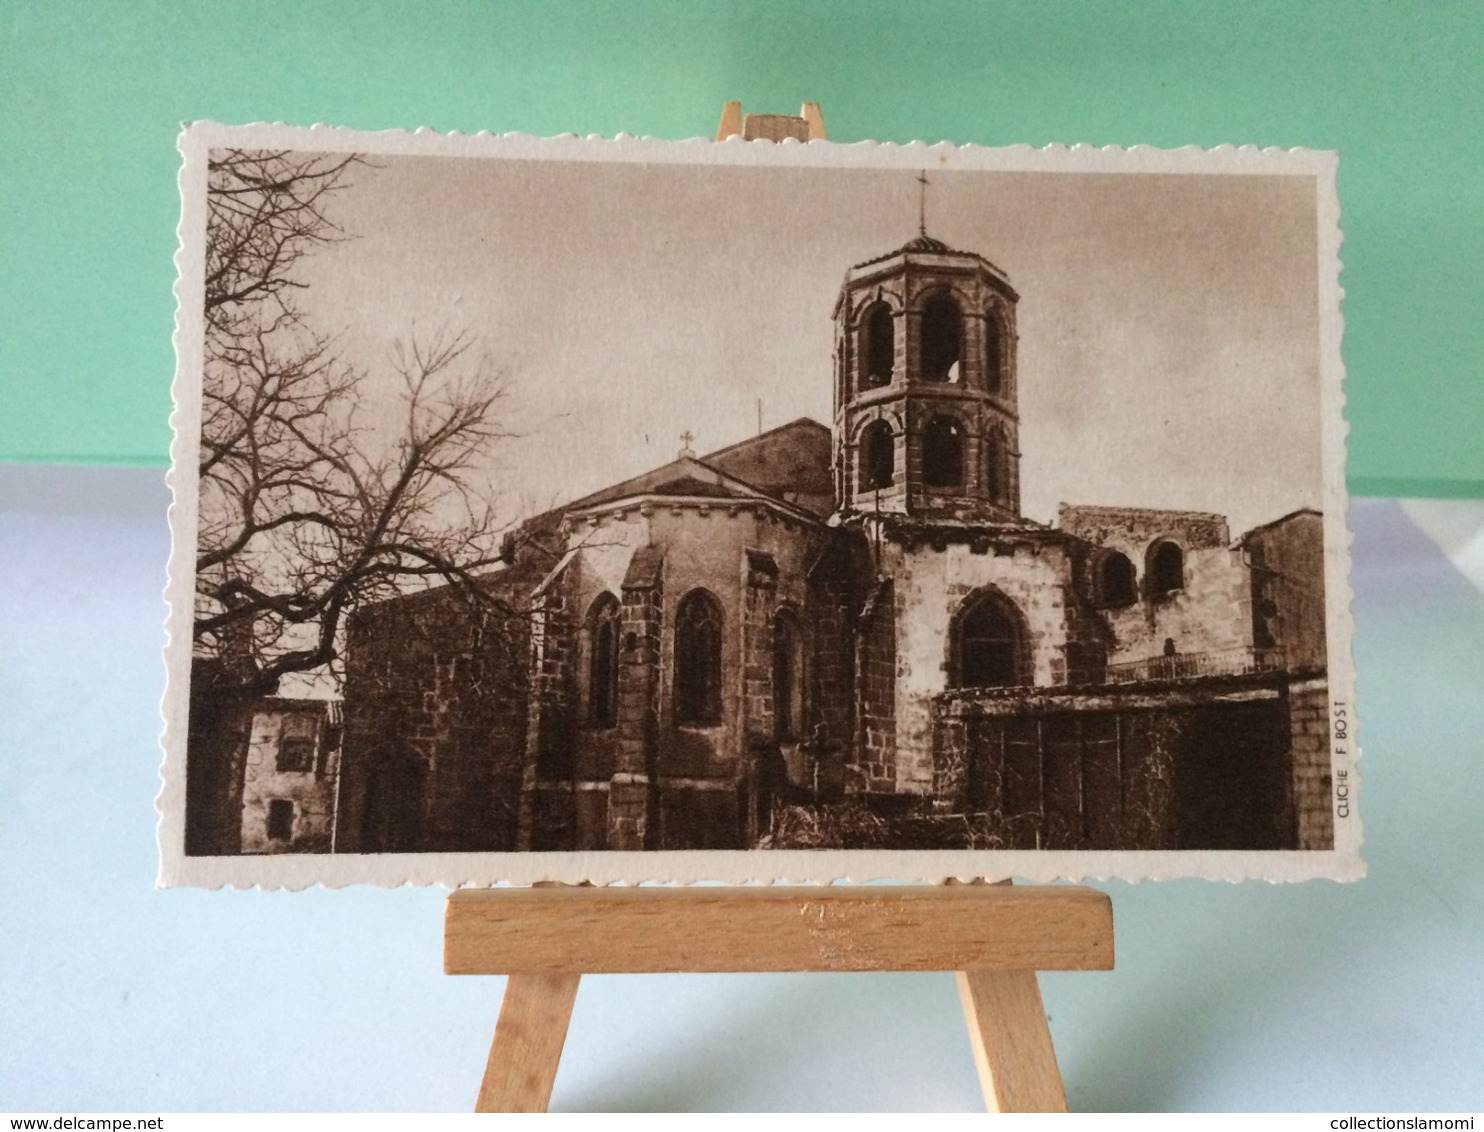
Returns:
(297,742)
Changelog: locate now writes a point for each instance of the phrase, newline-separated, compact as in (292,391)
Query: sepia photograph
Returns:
(625,511)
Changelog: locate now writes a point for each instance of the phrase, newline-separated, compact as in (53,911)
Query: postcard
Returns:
(622,511)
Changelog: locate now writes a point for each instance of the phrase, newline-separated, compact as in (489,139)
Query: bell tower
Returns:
(926,423)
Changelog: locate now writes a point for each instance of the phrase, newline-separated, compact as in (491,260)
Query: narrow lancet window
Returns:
(996,469)
(698,659)
(602,687)
(993,358)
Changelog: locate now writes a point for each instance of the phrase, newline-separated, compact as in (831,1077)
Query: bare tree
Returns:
(306,510)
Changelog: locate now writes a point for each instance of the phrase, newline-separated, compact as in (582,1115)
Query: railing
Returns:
(1186,665)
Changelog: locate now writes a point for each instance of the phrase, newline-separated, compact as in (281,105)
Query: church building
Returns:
(852,637)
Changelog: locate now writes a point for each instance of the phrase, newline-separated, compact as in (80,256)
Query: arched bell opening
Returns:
(878,347)
(877,457)
(942,331)
(943,453)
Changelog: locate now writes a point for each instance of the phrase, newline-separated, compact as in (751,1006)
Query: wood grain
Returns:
(731,121)
(1011,1041)
(529,1035)
(868,928)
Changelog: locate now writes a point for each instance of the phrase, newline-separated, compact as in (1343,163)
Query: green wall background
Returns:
(93,94)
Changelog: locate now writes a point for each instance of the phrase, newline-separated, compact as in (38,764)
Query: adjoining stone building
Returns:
(291,768)
(852,636)
(266,771)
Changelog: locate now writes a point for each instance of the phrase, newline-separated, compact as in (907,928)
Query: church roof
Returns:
(693,487)
(790,463)
(922,244)
(1282,521)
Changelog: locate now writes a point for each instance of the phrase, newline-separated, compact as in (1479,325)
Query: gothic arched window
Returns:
(602,667)
(1165,568)
(943,453)
(996,468)
(989,644)
(942,339)
(877,456)
(698,659)
(1116,584)
(788,676)
(878,346)
(993,358)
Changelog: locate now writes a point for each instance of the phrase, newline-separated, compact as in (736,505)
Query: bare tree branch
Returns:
(306,513)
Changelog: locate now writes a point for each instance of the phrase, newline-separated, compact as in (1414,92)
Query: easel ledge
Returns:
(995,936)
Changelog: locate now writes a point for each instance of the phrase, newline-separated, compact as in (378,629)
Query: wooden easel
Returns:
(996,937)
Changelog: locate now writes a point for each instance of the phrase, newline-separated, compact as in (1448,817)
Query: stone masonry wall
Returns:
(1313,795)
(435,724)
(553,697)
(1210,612)
(631,793)
(1287,559)
(835,601)
(876,674)
(759,602)
(932,584)
(551,716)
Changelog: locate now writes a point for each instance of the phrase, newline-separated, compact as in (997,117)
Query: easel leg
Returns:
(529,1036)
(1012,1042)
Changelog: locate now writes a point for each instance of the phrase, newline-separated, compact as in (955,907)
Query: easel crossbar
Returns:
(575,931)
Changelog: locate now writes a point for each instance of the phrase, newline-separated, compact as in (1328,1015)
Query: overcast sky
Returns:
(1168,324)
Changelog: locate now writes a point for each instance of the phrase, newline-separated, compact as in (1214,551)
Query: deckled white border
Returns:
(294,871)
